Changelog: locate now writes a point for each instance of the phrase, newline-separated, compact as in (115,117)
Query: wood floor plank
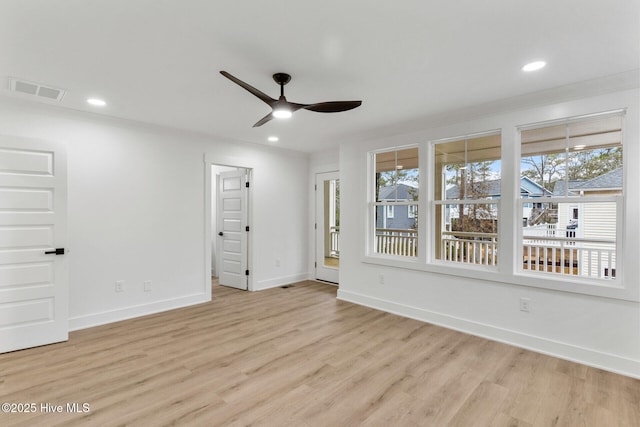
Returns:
(299,357)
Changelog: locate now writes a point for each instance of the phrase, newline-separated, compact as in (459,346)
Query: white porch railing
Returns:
(550,249)
(334,237)
(571,256)
(544,249)
(470,248)
(541,230)
(396,242)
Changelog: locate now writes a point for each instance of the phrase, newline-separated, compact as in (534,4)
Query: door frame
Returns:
(210,160)
(320,177)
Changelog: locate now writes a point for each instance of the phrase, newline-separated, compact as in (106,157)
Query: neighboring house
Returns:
(609,183)
(401,217)
(591,221)
(569,214)
(491,189)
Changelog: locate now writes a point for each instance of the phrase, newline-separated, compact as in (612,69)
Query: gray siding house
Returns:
(401,217)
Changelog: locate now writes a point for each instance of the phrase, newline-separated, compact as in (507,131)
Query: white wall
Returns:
(279,214)
(597,329)
(136,210)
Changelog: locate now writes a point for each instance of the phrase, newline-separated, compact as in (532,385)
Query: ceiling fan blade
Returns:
(263,120)
(263,96)
(332,106)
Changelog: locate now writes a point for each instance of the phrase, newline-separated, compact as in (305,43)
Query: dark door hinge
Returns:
(246,272)
(246,228)
(246,184)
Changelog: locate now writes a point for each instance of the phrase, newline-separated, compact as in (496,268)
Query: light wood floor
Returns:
(298,357)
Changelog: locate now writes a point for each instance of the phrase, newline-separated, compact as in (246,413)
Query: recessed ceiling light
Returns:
(533,66)
(273,139)
(96,102)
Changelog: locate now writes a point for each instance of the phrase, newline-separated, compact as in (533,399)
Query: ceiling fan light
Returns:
(282,113)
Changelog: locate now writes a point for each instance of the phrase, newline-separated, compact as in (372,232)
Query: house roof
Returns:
(492,188)
(611,180)
(405,192)
(559,188)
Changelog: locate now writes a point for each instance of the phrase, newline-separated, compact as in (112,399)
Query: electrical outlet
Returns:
(381,278)
(147,285)
(525,304)
(119,285)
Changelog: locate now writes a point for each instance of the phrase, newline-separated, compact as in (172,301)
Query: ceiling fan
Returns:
(281,108)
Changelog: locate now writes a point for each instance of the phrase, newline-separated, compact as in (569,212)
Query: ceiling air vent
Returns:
(36,89)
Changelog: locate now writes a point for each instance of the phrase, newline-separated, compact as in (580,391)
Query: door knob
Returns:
(221,234)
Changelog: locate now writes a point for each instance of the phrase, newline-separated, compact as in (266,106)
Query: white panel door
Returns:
(328,227)
(33,283)
(232,234)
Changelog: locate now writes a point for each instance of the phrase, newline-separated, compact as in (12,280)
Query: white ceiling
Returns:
(158,61)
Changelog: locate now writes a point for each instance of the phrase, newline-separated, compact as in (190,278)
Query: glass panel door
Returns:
(327,226)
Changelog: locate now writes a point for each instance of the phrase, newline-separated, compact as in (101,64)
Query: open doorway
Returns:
(328,227)
(230,226)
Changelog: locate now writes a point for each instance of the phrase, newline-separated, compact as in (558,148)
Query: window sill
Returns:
(613,289)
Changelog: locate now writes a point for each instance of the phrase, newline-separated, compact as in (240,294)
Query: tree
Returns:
(473,181)
(389,178)
(394,177)
(588,164)
(544,169)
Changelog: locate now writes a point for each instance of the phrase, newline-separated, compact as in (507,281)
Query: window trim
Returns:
(585,282)
(434,203)
(372,204)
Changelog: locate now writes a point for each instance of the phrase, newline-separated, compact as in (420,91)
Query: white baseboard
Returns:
(585,356)
(102,318)
(280,281)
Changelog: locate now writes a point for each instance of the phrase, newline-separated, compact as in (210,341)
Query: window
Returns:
(396,184)
(467,192)
(563,205)
(576,166)
(390,212)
